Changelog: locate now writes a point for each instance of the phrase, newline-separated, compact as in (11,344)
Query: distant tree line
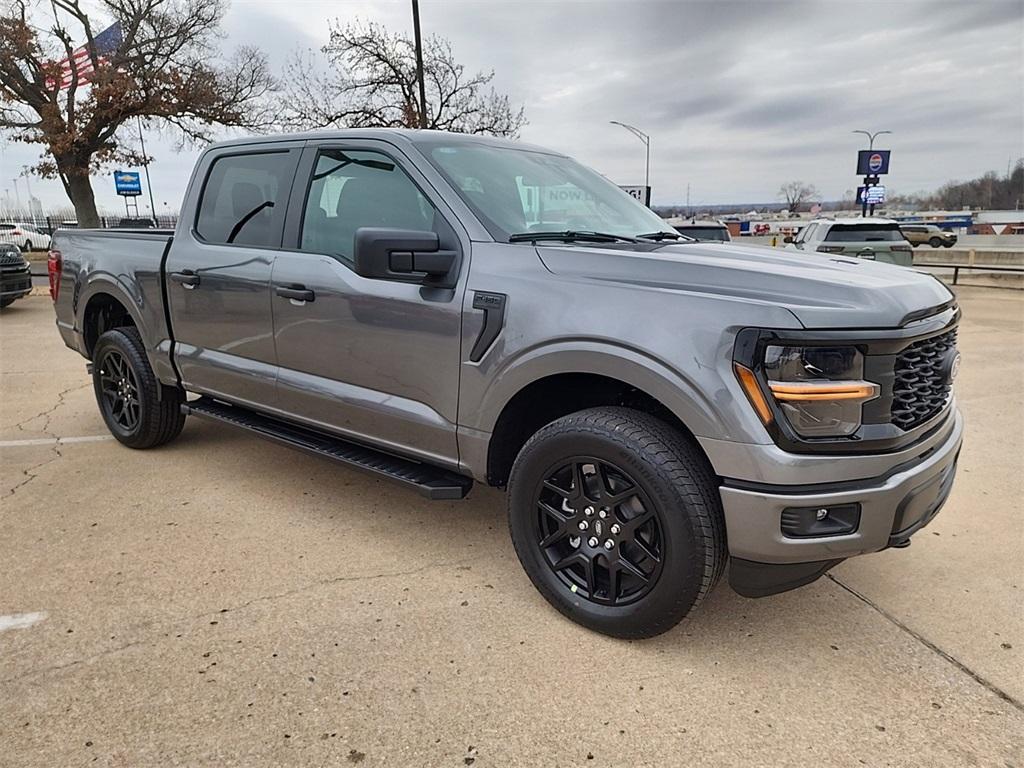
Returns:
(991,191)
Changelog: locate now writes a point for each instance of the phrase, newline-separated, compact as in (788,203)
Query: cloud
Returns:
(737,96)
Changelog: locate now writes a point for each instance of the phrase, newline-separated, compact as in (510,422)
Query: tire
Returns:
(935,242)
(28,246)
(674,491)
(138,410)
(5,303)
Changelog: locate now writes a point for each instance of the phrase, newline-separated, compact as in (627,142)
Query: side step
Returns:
(432,482)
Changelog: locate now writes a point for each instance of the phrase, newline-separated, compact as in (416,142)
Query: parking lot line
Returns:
(54,441)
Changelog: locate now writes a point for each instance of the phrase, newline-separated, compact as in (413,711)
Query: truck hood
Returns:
(822,291)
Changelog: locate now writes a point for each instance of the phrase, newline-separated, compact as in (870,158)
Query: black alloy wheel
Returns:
(120,390)
(616,518)
(139,411)
(599,531)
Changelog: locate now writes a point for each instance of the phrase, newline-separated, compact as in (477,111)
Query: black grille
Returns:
(922,380)
(11,258)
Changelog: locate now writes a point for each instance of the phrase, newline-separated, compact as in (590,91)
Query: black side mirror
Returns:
(401,254)
(787,239)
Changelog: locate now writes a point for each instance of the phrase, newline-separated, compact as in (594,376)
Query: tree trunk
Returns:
(79,189)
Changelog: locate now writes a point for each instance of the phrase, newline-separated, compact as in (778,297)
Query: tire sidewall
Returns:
(680,580)
(118,340)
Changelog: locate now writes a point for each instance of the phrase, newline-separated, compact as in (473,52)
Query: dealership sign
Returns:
(643,194)
(873,162)
(871,195)
(127,183)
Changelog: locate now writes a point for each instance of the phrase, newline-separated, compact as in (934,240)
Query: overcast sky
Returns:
(737,96)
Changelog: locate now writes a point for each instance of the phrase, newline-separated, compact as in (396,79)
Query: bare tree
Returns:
(163,69)
(796,194)
(371,82)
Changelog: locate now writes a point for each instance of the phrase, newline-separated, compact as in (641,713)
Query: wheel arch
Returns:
(105,306)
(535,392)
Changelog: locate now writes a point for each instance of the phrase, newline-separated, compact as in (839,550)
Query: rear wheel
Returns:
(138,410)
(28,246)
(617,520)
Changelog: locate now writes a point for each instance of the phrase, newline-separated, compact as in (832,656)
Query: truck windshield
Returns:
(517,191)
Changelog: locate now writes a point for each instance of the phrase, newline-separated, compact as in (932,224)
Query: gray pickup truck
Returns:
(441,309)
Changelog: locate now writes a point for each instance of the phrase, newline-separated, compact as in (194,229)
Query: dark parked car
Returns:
(15,277)
(927,234)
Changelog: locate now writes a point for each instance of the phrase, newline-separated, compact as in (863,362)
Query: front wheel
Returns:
(935,242)
(138,410)
(616,519)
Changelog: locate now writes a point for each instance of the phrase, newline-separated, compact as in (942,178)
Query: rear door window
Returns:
(861,233)
(244,198)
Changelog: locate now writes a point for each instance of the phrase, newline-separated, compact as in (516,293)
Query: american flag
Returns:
(79,68)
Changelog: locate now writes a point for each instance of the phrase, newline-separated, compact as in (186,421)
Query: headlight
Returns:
(820,390)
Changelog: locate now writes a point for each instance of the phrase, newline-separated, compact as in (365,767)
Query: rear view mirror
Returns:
(401,254)
(787,239)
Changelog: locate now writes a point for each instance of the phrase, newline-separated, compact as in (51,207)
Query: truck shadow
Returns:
(776,627)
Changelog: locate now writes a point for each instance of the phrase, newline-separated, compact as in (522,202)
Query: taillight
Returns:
(54,263)
(830,249)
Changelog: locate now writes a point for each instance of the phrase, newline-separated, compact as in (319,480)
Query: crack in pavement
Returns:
(48,413)
(991,687)
(234,609)
(30,473)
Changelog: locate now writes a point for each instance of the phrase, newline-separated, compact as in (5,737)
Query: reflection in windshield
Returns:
(516,191)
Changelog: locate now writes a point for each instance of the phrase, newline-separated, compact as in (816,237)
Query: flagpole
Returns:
(145,164)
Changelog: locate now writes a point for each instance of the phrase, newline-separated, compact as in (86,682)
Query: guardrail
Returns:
(980,267)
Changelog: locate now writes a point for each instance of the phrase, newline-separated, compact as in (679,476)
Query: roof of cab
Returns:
(418,137)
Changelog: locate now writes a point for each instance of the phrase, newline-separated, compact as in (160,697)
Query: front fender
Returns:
(687,399)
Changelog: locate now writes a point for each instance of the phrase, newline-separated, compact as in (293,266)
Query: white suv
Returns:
(25,236)
(866,238)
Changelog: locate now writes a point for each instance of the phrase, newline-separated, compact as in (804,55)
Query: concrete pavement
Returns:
(226,601)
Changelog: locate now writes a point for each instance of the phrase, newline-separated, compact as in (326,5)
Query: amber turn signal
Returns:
(757,399)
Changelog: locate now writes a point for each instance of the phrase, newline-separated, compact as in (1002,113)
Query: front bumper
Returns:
(893,507)
(15,283)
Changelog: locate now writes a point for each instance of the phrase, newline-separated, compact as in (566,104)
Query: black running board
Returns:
(432,482)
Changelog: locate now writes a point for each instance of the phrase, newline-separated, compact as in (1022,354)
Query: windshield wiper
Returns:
(659,236)
(569,235)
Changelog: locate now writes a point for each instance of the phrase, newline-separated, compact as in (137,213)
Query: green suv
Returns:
(866,238)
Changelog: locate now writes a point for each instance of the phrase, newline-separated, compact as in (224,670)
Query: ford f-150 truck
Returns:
(441,309)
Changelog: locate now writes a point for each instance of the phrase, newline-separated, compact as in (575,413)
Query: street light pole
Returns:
(149,185)
(647,143)
(871,146)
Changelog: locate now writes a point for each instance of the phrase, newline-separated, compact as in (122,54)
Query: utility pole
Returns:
(647,143)
(419,63)
(145,164)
